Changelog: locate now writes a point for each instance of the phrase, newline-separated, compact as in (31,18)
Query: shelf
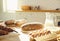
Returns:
(39,11)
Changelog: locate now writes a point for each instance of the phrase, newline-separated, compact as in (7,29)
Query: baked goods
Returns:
(10,23)
(4,30)
(31,26)
(39,33)
(44,35)
(55,39)
(32,39)
(20,22)
(15,23)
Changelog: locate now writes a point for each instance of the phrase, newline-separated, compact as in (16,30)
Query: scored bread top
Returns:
(32,26)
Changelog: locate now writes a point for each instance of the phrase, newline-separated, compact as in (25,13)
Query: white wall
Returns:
(44,4)
(1,6)
(31,16)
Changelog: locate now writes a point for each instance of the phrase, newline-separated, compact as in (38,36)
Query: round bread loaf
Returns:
(9,22)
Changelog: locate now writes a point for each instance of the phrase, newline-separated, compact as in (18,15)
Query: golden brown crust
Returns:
(39,33)
(2,32)
(14,23)
(9,22)
(31,27)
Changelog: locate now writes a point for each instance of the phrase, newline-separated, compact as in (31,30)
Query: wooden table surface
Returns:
(22,36)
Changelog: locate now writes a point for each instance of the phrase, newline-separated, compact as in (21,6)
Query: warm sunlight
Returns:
(10,5)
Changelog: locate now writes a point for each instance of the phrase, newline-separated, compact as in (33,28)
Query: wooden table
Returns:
(20,37)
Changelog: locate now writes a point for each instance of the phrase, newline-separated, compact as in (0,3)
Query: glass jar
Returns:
(49,20)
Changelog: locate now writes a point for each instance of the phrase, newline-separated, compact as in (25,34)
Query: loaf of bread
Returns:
(20,22)
(15,23)
(10,23)
(4,30)
(44,35)
(31,26)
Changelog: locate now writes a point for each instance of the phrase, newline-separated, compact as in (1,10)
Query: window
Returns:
(10,5)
